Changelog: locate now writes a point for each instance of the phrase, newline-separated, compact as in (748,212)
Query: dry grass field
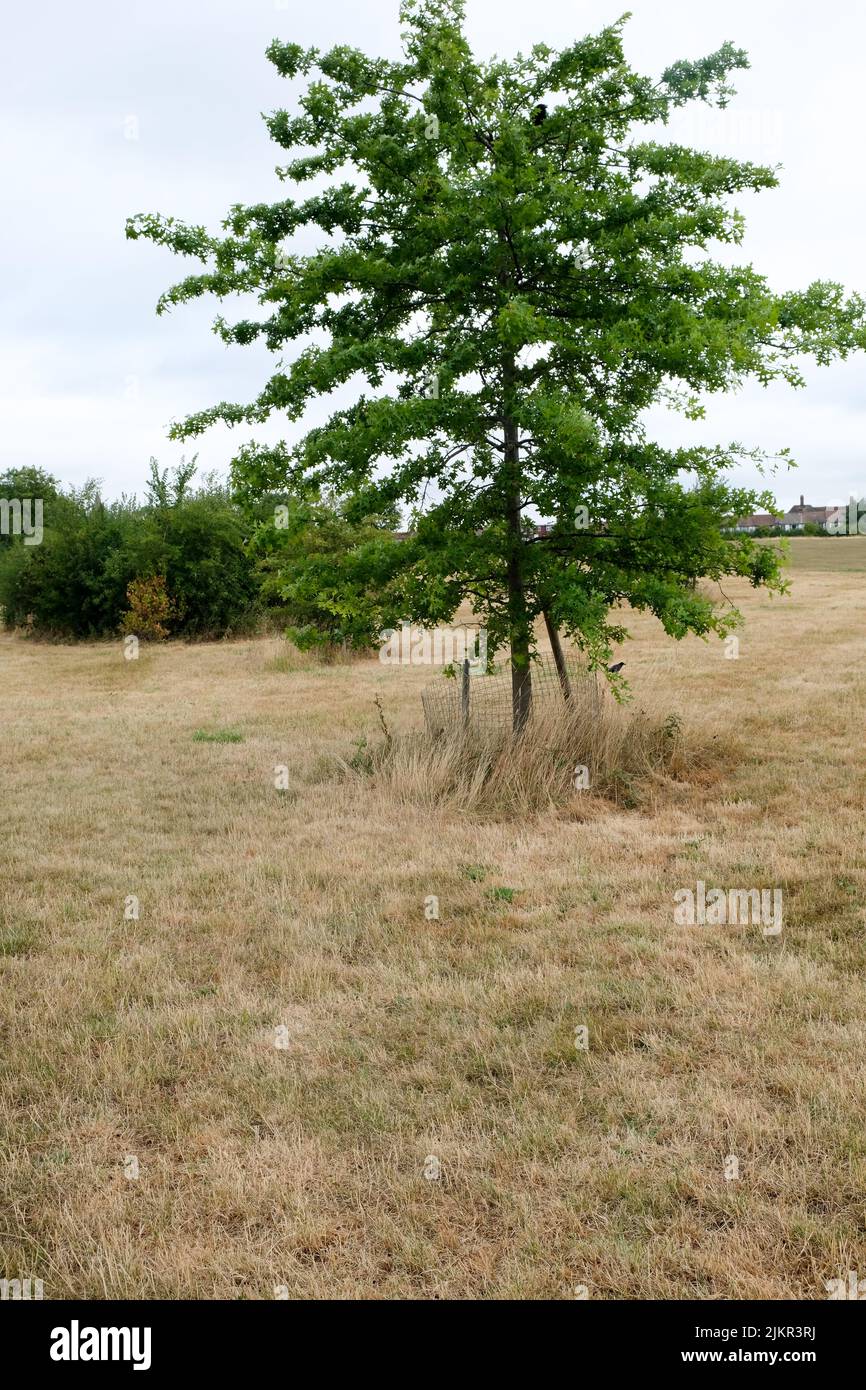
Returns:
(283,1041)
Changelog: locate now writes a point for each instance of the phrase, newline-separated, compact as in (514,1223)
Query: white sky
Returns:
(90,378)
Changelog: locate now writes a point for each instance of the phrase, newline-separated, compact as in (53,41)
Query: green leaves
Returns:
(289,58)
(490,282)
(705,79)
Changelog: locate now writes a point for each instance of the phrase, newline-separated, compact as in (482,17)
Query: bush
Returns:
(77,582)
(208,570)
(67,586)
(150,608)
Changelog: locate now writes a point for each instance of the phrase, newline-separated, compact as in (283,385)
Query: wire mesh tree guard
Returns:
(483,703)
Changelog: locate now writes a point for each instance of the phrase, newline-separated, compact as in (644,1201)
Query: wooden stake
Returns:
(558,656)
(464,694)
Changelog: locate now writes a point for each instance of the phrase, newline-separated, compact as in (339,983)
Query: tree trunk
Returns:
(518,617)
(558,655)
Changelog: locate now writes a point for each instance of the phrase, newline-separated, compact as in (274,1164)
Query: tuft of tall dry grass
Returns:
(569,749)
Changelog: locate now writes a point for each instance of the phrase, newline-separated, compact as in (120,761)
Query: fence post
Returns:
(464,694)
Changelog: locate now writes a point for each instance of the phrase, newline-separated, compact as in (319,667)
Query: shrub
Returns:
(150,608)
(207,566)
(77,582)
(70,585)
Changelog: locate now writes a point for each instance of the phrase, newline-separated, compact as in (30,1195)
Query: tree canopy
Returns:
(510,271)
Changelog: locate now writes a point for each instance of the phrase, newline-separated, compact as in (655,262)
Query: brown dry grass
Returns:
(617,752)
(304,1166)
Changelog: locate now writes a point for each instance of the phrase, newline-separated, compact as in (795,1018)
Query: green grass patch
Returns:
(17,941)
(502,895)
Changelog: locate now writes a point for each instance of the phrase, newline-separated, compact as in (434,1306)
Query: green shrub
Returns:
(76,583)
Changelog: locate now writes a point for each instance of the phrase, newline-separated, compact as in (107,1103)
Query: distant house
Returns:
(752,523)
(803,513)
(794,518)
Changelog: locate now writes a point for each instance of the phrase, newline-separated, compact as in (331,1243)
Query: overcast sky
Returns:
(107,109)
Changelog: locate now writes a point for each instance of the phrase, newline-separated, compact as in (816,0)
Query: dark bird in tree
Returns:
(615,670)
(539,114)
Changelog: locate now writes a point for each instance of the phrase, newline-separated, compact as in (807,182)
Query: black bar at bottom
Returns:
(162,1339)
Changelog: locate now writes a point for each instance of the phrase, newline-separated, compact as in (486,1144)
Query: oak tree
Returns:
(512,265)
